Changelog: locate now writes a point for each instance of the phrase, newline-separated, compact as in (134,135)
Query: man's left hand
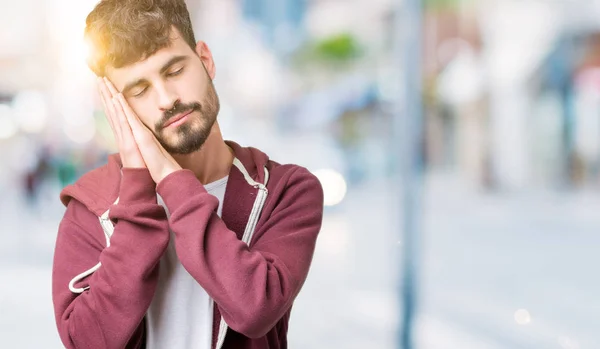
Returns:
(159,162)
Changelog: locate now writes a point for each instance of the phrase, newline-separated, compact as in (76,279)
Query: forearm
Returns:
(108,314)
(255,286)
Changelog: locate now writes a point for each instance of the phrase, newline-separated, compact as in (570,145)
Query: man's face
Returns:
(172,94)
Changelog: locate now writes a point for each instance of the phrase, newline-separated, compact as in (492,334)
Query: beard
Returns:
(192,134)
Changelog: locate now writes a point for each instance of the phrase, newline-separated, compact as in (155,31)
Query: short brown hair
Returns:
(122,32)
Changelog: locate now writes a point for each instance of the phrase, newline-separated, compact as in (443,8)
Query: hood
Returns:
(98,189)
(252,159)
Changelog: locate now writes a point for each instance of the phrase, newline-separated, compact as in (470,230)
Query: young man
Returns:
(182,240)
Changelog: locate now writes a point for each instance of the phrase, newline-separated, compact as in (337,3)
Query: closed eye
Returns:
(139,94)
(175,73)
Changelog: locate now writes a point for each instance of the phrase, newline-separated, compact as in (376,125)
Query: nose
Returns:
(166,98)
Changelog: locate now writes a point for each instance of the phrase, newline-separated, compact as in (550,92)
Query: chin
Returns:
(188,137)
(186,144)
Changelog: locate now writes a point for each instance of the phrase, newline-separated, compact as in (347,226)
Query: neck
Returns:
(212,161)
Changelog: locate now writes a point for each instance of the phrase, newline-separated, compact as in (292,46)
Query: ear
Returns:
(206,57)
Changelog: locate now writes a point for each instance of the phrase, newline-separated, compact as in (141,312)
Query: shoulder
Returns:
(289,178)
(97,189)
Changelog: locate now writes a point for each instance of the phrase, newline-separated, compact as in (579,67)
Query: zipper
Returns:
(261,197)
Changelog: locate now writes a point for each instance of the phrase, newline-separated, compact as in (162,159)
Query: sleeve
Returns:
(109,314)
(253,286)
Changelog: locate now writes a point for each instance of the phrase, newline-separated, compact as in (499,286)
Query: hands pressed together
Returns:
(137,145)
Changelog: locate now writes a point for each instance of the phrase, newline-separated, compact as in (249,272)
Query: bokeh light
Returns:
(8,127)
(522,317)
(30,111)
(334,186)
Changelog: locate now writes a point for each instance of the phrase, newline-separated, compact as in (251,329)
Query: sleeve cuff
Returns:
(178,186)
(137,186)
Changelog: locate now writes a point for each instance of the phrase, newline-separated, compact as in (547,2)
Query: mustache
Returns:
(178,108)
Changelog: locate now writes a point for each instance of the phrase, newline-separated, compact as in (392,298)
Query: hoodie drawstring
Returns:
(108,229)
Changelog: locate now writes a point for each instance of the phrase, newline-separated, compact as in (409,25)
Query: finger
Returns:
(115,129)
(109,109)
(144,138)
(111,87)
(112,93)
(134,122)
(150,148)
(104,94)
(128,136)
(120,117)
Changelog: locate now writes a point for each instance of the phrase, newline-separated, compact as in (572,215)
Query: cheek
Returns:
(193,87)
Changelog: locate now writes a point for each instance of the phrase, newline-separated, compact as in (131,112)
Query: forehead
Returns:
(151,65)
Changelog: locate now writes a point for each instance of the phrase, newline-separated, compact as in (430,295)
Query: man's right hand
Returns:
(128,148)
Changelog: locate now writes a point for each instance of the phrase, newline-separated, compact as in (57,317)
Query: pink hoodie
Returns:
(253,286)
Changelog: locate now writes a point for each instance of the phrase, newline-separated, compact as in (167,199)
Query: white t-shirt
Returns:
(180,315)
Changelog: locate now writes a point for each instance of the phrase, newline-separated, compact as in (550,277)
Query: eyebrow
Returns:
(164,68)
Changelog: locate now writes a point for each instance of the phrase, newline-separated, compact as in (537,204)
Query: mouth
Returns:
(178,120)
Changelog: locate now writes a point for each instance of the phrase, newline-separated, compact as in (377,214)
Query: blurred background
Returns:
(506,217)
